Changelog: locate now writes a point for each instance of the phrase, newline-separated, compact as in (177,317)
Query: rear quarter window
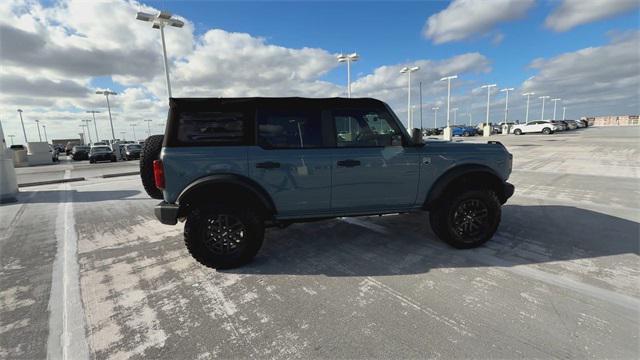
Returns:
(212,128)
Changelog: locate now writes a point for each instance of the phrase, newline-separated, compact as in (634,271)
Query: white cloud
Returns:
(467,18)
(572,13)
(594,80)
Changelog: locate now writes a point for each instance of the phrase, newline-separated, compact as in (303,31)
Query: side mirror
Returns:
(416,136)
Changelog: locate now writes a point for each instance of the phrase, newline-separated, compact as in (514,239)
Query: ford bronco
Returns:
(230,167)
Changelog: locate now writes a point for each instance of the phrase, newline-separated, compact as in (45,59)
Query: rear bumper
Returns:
(167,213)
(507,191)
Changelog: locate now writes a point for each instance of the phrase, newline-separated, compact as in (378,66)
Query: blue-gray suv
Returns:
(232,167)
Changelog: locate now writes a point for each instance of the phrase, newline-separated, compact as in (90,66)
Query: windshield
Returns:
(134,147)
(100,149)
(81,148)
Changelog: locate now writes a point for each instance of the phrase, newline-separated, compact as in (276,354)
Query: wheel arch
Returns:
(472,174)
(227,188)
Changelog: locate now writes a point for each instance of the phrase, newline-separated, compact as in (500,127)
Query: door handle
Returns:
(268,165)
(348,163)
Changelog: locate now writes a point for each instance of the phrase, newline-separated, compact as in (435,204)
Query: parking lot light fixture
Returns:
(435,116)
(38,126)
(95,125)
(24,132)
(11,136)
(123,133)
(133,129)
(455,115)
(555,102)
(348,58)
(408,70)
(106,94)
(84,138)
(506,102)
(44,129)
(159,22)
(526,117)
(543,99)
(488,87)
(448,80)
(564,112)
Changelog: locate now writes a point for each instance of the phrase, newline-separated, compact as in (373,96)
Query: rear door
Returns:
(290,162)
(372,171)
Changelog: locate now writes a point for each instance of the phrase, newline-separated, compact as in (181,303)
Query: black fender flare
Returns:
(232,179)
(455,173)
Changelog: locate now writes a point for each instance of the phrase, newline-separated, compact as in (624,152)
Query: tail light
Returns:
(158,174)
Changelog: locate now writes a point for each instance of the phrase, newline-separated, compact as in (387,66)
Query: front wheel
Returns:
(517,132)
(223,238)
(466,218)
(546,131)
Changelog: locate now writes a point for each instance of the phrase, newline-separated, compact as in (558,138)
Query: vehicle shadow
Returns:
(404,244)
(57,196)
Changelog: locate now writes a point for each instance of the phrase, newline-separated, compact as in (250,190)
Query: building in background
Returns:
(613,120)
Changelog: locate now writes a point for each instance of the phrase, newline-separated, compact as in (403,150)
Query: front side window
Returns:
(212,127)
(289,130)
(355,128)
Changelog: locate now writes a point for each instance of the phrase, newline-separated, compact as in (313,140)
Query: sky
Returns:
(54,55)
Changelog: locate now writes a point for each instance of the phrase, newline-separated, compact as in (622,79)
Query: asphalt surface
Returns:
(87,271)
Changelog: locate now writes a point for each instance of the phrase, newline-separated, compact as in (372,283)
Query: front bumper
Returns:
(167,213)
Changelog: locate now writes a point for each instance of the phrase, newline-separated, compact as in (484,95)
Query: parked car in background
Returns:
(80,152)
(582,123)
(54,153)
(132,151)
(68,149)
(101,153)
(463,130)
(539,126)
(562,125)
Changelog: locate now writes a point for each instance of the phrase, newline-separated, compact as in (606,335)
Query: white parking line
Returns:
(531,272)
(66,315)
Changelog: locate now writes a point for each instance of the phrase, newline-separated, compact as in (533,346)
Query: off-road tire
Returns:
(546,131)
(517,132)
(442,217)
(150,152)
(196,237)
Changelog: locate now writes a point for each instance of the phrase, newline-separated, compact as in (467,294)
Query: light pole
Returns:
(447,134)
(86,122)
(526,117)
(44,128)
(123,133)
(38,126)
(564,112)
(106,94)
(159,22)
(148,127)
(542,112)
(408,71)
(420,87)
(435,116)
(11,137)
(455,115)
(487,131)
(133,129)
(348,59)
(555,102)
(84,139)
(24,132)
(95,124)
(506,103)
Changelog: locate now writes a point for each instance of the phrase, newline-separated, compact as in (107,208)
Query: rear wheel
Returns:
(150,152)
(466,218)
(517,132)
(546,131)
(223,238)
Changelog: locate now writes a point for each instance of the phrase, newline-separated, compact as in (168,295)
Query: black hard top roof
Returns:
(276,101)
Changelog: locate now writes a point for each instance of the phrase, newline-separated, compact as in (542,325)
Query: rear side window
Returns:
(289,130)
(212,127)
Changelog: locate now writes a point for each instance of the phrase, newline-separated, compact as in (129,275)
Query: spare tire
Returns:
(150,152)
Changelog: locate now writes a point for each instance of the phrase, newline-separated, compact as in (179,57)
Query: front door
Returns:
(372,171)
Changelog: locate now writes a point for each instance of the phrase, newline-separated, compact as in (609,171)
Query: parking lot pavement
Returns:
(76,168)
(559,279)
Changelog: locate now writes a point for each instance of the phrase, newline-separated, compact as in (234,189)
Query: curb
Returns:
(59,181)
(106,176)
